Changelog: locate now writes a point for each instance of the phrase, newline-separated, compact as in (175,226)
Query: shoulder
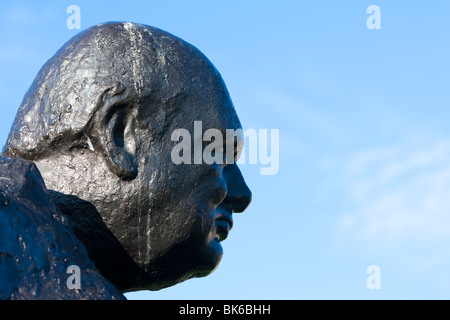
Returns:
(37,246)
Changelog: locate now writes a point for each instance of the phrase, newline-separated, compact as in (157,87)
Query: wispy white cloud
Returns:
(304,119)
(399,209)
(400,194)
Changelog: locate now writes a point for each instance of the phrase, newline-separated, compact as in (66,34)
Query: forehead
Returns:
(204,104)
(181,85)
(192,95)
(213,106)
(208,99)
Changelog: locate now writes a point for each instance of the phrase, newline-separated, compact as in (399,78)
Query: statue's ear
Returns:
(116,129)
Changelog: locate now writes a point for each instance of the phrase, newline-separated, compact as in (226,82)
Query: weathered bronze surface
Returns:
(97,125)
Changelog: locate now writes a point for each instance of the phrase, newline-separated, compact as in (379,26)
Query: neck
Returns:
(103,248)
(81,182)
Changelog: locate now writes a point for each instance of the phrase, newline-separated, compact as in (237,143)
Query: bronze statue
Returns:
(97,124)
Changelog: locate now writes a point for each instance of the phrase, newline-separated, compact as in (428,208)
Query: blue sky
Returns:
(364,175)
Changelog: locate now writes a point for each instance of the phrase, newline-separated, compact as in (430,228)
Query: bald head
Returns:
(115,63)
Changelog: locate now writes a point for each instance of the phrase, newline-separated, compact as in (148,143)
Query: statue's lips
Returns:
(223,224)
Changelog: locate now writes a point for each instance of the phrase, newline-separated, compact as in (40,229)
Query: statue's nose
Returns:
(239,195)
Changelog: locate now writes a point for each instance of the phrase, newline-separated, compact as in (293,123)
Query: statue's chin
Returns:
(180,266)
(212,258)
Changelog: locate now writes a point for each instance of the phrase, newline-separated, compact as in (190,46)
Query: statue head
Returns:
(98,121)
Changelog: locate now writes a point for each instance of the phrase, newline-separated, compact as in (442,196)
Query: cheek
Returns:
(218,192)
(209,185)
(203,184)
(183,188)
